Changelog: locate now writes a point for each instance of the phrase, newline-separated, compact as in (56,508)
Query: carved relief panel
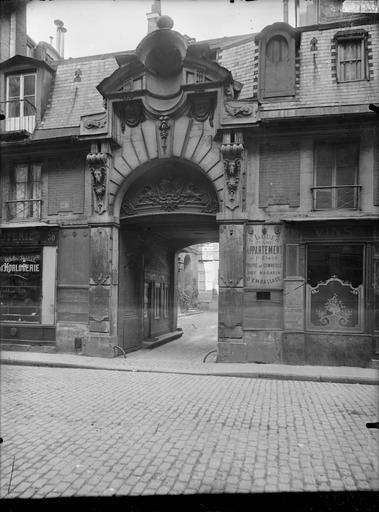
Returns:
(232,152)
(231,255)
(99,163)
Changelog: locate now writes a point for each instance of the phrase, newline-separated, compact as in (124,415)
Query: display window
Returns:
(21,286)
(335,287)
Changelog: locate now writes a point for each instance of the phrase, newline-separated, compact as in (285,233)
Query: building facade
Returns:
(265,143)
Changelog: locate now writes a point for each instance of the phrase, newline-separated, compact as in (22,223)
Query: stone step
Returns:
(375,362)
(161,340)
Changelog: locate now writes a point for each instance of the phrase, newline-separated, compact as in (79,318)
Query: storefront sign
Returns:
(264,257)
(20,287)
(41,236)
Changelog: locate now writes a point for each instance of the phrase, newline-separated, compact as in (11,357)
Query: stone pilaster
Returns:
(103,280)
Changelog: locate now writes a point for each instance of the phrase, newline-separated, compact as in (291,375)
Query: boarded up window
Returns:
(73,257)
(66,185)
(279,174)
(277,61)
(73,275)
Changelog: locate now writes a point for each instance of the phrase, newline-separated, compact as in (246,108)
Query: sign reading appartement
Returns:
(264,257)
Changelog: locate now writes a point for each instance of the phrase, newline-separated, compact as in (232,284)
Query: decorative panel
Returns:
(335,306)
(231,255)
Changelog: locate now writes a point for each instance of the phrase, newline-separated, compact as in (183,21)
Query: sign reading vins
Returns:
(264,257)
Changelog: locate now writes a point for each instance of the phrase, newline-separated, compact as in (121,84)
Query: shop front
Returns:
(27,285)
(329,289)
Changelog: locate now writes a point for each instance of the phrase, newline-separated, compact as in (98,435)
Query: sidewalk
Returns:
(132,363)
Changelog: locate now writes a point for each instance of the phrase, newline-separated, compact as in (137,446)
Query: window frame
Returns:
(334,187)
(343,38)
(21,98)
(33,188)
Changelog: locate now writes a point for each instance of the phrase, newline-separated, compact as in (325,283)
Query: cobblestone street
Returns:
(71,432)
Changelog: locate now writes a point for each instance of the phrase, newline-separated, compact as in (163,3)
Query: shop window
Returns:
(20,287)
(351,58)
(335,287)
(336,176)
(25,192)
(21,101)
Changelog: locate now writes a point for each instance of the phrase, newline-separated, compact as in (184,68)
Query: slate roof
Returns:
(69,99)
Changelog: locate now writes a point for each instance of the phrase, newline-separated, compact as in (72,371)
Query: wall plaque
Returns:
(264,257)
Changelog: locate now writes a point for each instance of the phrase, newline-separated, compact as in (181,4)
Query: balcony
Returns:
(20,116)
(25,210)
(336,197)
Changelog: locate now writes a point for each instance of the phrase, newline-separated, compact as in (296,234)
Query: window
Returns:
(25,192)
(277,56)
(336,176)
(351,56)
(20,287)
(21,100)
(334,287)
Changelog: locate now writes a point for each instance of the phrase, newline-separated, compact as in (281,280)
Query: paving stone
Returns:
(210,438)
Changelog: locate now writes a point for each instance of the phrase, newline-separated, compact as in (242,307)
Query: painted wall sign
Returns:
(29,236)
(264,257)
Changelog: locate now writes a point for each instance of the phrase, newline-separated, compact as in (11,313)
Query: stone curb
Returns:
(243,374)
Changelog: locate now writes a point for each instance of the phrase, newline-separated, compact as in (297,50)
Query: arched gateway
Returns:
(168,175)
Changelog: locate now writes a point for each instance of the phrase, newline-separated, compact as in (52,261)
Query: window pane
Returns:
(346,198)
(323,199)
(344,261)
(20,287)
(14,108)
(346,164)
(324,165)
(36,181)
(21,173)
(14,87)
(29,103)
(29,85)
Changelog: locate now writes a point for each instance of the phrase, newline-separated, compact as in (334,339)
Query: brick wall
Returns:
(66,185)
(279,174)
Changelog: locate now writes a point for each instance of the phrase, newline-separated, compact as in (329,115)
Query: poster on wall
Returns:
(264,257)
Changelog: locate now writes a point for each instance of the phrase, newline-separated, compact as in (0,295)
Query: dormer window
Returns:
(21,101)
(277,44)
(351,55)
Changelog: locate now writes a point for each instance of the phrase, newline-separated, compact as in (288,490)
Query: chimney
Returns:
(153,16)
(59,39)
(12,29)
(285,11)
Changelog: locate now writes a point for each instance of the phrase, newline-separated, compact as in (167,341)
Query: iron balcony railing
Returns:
(19,115)
(26,209)
(336,197)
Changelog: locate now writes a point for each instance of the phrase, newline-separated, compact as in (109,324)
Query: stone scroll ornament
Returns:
(98,166)
(232,154)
